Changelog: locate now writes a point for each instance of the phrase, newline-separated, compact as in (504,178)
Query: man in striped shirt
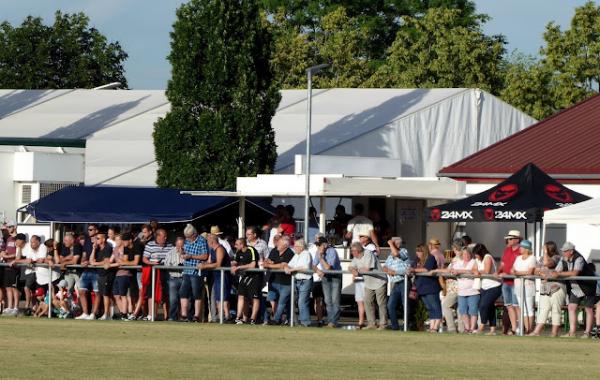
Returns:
(155,253)
(195,252)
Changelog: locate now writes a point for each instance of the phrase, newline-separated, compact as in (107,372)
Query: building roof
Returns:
(564,145)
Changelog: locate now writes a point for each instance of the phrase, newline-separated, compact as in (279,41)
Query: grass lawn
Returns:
(68,349)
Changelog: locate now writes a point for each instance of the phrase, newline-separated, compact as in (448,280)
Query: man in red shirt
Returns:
(513,238)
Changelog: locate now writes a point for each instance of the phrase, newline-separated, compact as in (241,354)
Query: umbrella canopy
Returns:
(523,197)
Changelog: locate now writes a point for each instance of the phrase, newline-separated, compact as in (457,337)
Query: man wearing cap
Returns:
(361,225)
(14,242)
(512,250)
(573,264)
(326,258)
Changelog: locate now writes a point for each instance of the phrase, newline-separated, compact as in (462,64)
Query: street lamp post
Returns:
(313,70)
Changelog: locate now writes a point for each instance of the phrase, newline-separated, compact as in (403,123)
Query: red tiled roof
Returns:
(565,145)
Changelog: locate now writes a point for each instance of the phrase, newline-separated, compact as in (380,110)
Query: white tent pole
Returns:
(242,217)
(322,218)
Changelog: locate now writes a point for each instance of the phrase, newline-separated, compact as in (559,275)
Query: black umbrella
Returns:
(523,197)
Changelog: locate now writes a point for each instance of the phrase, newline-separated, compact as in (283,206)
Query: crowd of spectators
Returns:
(107,274)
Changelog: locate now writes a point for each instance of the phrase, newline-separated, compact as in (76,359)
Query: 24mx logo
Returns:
(457,215)
(510,215)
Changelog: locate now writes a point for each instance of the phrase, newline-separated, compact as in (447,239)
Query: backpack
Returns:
(588,287)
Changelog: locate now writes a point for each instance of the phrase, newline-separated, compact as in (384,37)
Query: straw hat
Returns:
(513,234)
(215,230)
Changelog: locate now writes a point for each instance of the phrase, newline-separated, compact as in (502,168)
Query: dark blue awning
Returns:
(107,204)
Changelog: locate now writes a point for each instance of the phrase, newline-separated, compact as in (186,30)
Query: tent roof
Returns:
(543,144)
(123,205)
(524,196)
(587,212)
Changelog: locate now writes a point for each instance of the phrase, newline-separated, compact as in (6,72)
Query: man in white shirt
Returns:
(215,230)
(361,225)
(34,253)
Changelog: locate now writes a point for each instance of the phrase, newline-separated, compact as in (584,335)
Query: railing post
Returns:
(292,295)
(522,309)
(222,298)
(50,290)
(405,302)
(153,293)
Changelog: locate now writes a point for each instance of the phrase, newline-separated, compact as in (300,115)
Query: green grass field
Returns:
(67,349)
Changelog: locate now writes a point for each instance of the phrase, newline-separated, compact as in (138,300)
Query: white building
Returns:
(56,137)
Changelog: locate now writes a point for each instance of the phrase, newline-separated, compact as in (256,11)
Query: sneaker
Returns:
(196,320)
(91,317)
(595,332)
(253,322)
(239,322)
(131,317)
(14,312)
(83,317)
(331,325)
(585,335)
(104,317)
(146,318)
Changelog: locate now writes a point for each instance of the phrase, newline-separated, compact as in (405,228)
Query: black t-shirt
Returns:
(101,255)
(276,258)
(131,253)
(75,250)
(244,258)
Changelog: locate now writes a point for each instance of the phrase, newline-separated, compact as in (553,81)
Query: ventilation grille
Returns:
(26,194)
(49,188)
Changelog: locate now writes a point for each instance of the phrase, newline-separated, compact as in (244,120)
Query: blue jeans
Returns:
(396,298)
(89,281)
(487,305)
(303,287)
(509,296)
(332,293)
(283,298)
(192,286)
(468,305)
(433,305)
(174,286)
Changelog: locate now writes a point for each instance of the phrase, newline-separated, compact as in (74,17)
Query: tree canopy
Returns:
(67,54)
(222,97)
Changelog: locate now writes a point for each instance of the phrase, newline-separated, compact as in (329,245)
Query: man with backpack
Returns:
(578,291)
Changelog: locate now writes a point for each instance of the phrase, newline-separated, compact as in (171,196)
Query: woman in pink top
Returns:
(468,295)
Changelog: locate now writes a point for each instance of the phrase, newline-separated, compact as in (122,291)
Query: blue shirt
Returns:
(428,284)
(332,258)
(399,265)
(197,247)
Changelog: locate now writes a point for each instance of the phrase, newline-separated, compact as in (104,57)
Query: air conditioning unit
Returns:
(26,193)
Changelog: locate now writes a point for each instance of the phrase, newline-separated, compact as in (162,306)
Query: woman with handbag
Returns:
(491,289)
(468,289)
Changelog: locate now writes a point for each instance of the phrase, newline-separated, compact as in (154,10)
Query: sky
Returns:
(142,26)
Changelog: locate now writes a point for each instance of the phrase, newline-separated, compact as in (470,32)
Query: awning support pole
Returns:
(322,219)
(242,217)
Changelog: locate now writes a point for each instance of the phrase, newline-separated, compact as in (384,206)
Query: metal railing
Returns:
(222,270)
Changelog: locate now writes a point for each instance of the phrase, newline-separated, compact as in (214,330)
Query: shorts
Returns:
(192,286)
(250,287)
(121,285)
(71,278)
(30,282)
(89,281)
(317,289)
(586,301)
(10,278)
(433,305)
(359,291)
(226,288)
(509,296)
(468,305)
(105,283)
(134,285)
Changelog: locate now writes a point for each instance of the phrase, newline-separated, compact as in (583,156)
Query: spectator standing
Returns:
(512,250)
(317,286)
(219,258)
(280,283)
(13,242)
(361,225)
(69,253)
(434,250)
(100,257)
(132,256)
(552,293)
(33,253)
(250,283)
(450,291)
(326,258)
(364,262)
(155,252)
(122,277)
(175,259)
(428,288)
(578,291)
(301,262)
(468,294)
(340,221)
(397,265)
(491,289)
(195,252)
(215,230)
(88,281)
(525,265)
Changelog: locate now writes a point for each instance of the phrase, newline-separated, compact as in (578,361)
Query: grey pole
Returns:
(222,299)
(152,311)
(405,302)
(292,296)
(50,291)
(309,73)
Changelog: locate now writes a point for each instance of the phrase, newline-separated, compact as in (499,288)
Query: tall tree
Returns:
(222,97)
(438,50)
(67,54)
(567,72)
